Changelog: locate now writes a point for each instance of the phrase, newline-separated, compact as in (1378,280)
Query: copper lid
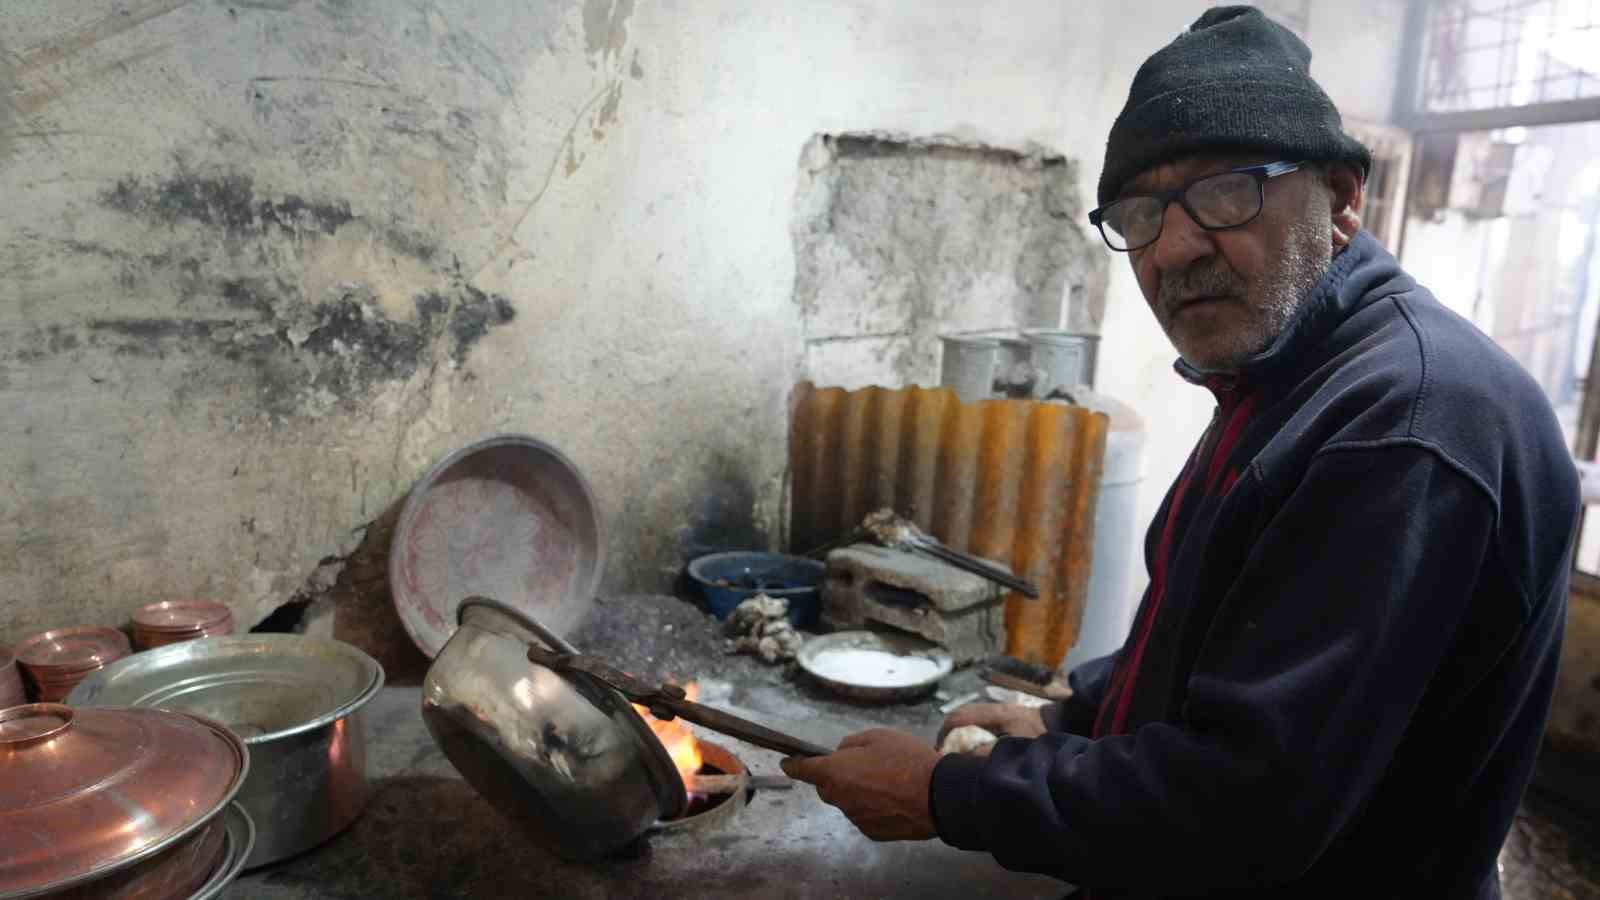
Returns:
(180,615)
(77,649)
(86,791)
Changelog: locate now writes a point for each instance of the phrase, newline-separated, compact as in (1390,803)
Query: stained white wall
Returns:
(195,191)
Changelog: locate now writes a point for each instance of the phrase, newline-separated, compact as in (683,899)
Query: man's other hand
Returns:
(879,780)
(1004,719)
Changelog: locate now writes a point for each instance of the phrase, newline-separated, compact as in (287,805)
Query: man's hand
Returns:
(879,780)
(1004,719)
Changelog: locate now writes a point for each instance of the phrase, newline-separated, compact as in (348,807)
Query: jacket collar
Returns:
(1332,300)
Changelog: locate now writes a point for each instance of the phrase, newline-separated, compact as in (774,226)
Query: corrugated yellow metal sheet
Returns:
(1011,480)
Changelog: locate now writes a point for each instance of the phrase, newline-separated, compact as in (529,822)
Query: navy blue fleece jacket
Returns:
(1338,679)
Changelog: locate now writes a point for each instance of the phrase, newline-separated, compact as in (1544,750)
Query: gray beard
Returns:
(1274,299)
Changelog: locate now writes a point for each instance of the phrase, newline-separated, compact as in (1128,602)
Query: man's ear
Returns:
(1349,190)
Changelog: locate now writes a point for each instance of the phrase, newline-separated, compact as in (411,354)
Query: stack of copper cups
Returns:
(55,661)
(171,621)
(11,692)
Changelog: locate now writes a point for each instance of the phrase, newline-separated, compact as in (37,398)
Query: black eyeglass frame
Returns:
(1263,173)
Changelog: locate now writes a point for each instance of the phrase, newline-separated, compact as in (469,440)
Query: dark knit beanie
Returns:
(1235,81)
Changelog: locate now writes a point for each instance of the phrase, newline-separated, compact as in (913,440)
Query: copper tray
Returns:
(64,651)
(181,616)
(508,517)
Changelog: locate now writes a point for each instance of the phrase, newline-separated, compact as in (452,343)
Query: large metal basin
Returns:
(296,701)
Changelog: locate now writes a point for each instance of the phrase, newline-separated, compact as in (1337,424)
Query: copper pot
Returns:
(113,803)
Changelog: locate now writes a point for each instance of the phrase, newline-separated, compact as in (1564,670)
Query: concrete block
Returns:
(867,584)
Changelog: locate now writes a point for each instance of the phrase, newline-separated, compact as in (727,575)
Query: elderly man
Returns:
(1338,679)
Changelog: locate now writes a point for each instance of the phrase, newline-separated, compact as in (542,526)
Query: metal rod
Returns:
(959,702)
(1021,685)
(729,784)
(743,729)
(668,700)
(977,567)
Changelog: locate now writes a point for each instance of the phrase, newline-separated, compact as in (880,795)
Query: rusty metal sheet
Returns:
(1011,480)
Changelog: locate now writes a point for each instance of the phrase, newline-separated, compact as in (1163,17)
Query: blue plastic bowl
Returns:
(728,579)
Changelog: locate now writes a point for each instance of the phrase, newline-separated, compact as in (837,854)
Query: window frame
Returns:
(1411,114)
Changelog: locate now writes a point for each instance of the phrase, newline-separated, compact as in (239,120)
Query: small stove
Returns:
(712,809)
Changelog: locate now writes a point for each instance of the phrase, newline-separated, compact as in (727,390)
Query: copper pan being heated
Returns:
(546,735)
(549,737)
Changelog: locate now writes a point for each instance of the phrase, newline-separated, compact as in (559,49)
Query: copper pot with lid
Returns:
(124,803)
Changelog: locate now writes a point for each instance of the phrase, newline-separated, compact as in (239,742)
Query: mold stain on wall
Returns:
(237,318)
(292,296)
(228,202)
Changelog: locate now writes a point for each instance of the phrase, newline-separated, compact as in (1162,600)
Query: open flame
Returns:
(677,738)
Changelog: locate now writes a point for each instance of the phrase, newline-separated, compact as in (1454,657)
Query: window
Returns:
(1506,235)
(1391,164)
(1503,205)
(1488,54)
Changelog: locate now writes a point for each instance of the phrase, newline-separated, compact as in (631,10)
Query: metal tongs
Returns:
(668,701)
(899,533)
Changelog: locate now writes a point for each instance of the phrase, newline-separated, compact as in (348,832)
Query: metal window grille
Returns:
(1490,54)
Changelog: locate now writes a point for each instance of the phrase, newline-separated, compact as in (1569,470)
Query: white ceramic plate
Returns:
(875,665)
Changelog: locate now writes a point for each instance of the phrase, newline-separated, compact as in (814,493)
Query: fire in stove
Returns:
(700,763)
(677,738)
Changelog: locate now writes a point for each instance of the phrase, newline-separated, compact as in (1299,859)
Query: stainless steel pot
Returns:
(563,756)
(296,701)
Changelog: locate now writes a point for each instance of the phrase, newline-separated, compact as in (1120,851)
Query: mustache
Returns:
(1204,279)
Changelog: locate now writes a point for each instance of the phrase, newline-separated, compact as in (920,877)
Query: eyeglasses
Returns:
(1215,202)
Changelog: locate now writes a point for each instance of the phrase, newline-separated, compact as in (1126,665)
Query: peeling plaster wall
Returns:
(262,262)
(898,241)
